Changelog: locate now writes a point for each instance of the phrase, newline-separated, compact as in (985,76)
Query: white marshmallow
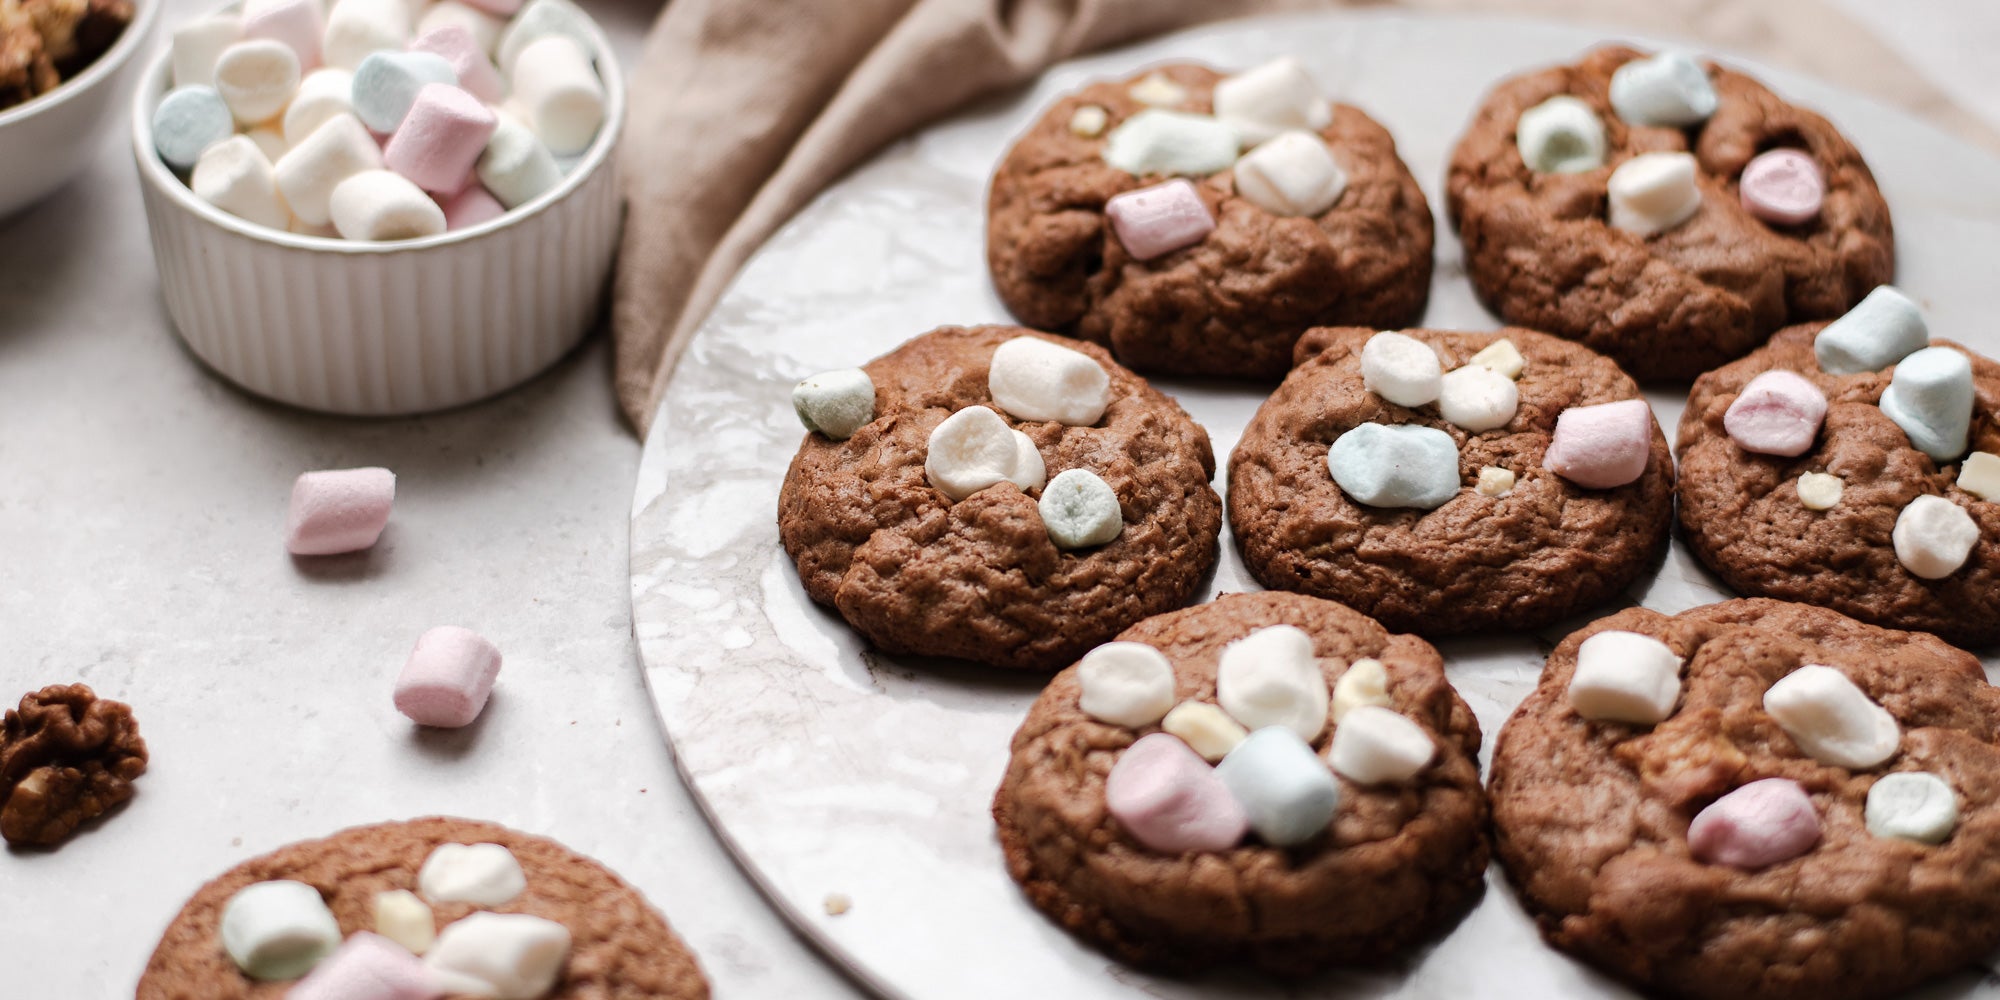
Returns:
(278,930)
(1275,97)
(518,957)
(1495,481)
(256,79)
(1501,356)
(974,448)
(1080,510)
(516,166)
(1206,729)
(1089,121)
(483,27)
(1271,678)
(1561,135)
(1819,490)
(1364,682)
(1158,91)
(383,205)
(1125,684)
(1934,537)
(1169,143)
(199,43)
(1931,397)
(1980,476)
(1831,719)
(1401,369)
(1911,805)
(333,152)
(1653,192)
(356,28)
(270,142)
(541,19)
(322,94)
(1285,789)
(556,85)
(1477,398)
(234,176)
(404,918)
(1625,677)
(1670,89)
(486,874)
(1036,380)
(1883,328)
(835,403)
(1292,174)
(1377,746)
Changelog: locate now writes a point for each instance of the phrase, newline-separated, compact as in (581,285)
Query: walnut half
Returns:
(66,757)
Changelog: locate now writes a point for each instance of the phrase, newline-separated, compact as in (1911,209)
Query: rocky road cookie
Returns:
(1666,212)
(1813,472)
(1756,799)
(997,494)
(1342,822)
(478,900)
(1126,216)
(1452,482)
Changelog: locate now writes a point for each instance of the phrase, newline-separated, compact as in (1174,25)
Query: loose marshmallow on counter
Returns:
(974,448)
(1155,221)
(1911,805)
(1930,396)
(1285,789)
(333,152)
(199,43)
(1831,719)
(1561,135)
(382,205)
(339,510)
(356,28)
(1170,800)
(1170,142)
(1603,446)
(1080,510)
(403,917)
(468,60)
(1653,192)
(1670,89)
(1477,398)
(1125,684)
(367,967)
(1364,682)
(296,23)
(483,27)
(278,930)
(1206,729)
(440,139)
(1271,678)
(448,677)
(1401,466)
(386,85)
(1036,380)
(1625,677)
(324,92)
(1883,328)
(1158,91)
(1820,490)
(517,956)
(234,176)
(541,19)
(485,874)
(1292,174)
(835,403)
(1401,369)
(1980,476)
(1755,826)
(1088,121)
(1783,186)
(189,121)
(1276,97)
(256,79)
(474,206)
(1933,537)
(516,166)
(1501,356)
(557,87)
(1495,481)
(1778,413)
(1378,746)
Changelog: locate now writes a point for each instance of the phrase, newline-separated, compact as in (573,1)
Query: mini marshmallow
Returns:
(517,956)
(381,205)
(270,142)
(1980,476)
(1206,729)
(403,917)
(1170,800)
(1831,719)
(1778,413)
(483,27)
(1783,186)
(516,167)
(1882,329)
(440,139)
(386,85)
(1036,380)
(835,403)
(558,88)
(1476,398)
(1671,89)
(485,874)
(1625,677)
(474,206)
(256,79)
(278,930)
(1930,397)
(1088,121)
(189,121)
(1819,490)
(1080,510)
(1158,220)
(1911,805)
(339,510)
(1401,369)
(1495,481)
(1126,684)
(1292,174)
(1276,97)
(1271,678)
(1401,466)
(468,60)
(541,19)
(1501,356)
(1755,826)
(234,176)
(198,44)
(1169,143)
(332,153)
(974,448)
(1561,135)
(1653,192)
(356,28)
(1377,746)
(1285,789)
(1933,537)
(295,23)
(367,967)
(1364,682)
(1603,446)
(1158,91)
(323,94)
(448,677)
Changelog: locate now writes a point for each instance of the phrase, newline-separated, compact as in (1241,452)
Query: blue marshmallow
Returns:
(1880,331)
(187,122)
(1930,398)
(386,84)
(1400,466)
(1288,792)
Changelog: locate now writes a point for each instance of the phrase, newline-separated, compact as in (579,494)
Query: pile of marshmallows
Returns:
(1653,192)
(282,930)
(1634,679)
(1407,465)
(1265,776)
(1930,396)
(975,448)
(376,120)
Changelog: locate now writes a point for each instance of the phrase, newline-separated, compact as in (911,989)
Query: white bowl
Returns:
(379,329)
(47,141)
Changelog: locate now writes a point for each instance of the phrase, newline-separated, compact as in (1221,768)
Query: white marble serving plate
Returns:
(830,769)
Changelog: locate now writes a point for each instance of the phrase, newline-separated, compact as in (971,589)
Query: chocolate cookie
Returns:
(621,948)
(1234,302)
(1397,864)
(1592,818)
(1743,514)
(1544,549)
(1674,304)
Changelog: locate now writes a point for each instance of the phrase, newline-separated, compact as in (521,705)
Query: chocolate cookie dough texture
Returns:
(1853,465)
(1448,482)
(1664,211)
(1756,799)
(1270,779)
(1197,223)
(66,758)
(998,495)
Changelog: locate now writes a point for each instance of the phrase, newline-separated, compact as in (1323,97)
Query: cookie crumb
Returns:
(837,903)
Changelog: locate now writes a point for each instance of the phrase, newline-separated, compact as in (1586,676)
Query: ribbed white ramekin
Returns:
(378,329)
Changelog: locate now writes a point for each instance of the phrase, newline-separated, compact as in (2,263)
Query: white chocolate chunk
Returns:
(517,956)
(1170,143)
(1561,135)
(1401,369)
(1364,682)
(1125,684)
(1653,192)
(1980,476)
(278,930)
(1377,746)
(1625,677)
(1934,537)
(835,403)
(1080,510)
(1495,481)
(1292,174)
(1477,398)
(1206,729)
(486,874)
(1912,805)
(1089,121)
(1820,490)
(1501,356)
(1670,89)
(1036,380)
(402,917)
(1831,719)
(974,448)
(1271,678)
(1276,97)
(1157,90)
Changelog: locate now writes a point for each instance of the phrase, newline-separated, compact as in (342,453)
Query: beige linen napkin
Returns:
(742,110)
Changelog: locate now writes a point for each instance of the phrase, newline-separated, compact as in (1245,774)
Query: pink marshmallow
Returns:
(1778,413)
(1159,219)
(475,72)
(1783,186)
(1599,447)
(367,967)
(448,679)
(1170,800)
(1759,824)
(339,510)
(441,138)
(497,8)
(470,207)
(296,24)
